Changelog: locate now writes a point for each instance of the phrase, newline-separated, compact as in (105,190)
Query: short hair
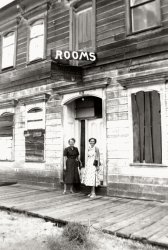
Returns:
(93,139)
(72,139)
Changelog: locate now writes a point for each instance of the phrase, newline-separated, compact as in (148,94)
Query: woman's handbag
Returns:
(95,163)
(80,164)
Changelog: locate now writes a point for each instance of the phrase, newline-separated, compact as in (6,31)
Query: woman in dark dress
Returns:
(71,163)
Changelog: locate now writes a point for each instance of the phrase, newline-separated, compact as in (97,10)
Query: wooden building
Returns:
(121,98)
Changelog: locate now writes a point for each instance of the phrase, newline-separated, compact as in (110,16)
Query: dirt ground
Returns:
(20,232)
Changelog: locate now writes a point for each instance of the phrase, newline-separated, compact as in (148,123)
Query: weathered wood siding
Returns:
(118,55)
(113,44)
(58,27)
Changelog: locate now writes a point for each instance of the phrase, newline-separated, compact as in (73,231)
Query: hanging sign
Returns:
(59,55)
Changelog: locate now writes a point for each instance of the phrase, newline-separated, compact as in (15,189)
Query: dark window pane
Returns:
(34,142)
(145,16)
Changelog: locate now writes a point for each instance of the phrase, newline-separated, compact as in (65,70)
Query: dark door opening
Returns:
(87,108)
(82,142)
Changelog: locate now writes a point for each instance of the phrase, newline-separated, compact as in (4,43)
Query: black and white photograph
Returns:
(83,124)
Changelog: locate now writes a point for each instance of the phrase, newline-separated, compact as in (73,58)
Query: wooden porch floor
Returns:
(147,220)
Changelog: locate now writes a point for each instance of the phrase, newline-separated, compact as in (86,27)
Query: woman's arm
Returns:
(78,159)
(65,159)
(98,156)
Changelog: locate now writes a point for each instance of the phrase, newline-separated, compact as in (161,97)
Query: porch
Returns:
(131,218)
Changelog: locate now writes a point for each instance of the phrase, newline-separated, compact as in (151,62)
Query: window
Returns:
(8,50)
(146,114)
(34,143)
(34,135)
(36,40)
(83,26)
(144,14)
(6,137)
(35,118)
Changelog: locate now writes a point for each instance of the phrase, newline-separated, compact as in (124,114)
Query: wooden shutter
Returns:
(34,142)
(148,130)
(146,115)
(156,127)
(83,29)
(141,111)
(136,141)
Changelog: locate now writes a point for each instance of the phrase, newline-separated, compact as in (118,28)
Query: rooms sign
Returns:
(59,55)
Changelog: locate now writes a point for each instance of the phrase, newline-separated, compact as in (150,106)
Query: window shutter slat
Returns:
(156,127)
(136,142)
(141,110)
(148,130)
(84,34)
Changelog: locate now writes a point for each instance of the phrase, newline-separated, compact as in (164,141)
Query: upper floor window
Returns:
(36,40)
(144,14)
(83,26)
(8,50)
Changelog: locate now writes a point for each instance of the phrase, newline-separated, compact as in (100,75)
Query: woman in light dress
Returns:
(91,174)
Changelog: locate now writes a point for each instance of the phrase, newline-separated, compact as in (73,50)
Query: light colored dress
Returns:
(91,175)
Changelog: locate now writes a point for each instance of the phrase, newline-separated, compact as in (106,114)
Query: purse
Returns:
(80,164)
(95,163)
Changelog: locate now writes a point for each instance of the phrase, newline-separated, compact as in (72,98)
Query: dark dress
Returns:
(71,172)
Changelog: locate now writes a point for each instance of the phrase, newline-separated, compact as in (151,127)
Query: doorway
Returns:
(83,119)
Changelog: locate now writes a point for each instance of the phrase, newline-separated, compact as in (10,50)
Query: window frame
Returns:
(7,114)
(40,106)
(129,18)
(161,88)
(79,6)
(30,133)
(30,24)
(15,48)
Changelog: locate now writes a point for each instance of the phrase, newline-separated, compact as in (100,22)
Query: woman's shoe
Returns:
(92,195)
(89,195)
(64,192)
(71,191)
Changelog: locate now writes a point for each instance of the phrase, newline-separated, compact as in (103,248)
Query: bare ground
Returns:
(20,232)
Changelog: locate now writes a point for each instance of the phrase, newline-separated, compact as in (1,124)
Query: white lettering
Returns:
(84,54)
(75,55)
(67,55)
(92,56)
(58,54)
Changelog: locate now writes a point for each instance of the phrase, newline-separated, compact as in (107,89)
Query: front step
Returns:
(139,187)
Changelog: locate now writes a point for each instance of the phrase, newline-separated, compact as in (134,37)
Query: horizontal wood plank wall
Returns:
(113,45)
(58,27)
(112,42)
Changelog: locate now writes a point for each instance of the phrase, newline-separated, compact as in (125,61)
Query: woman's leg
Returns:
(65,188)
(71,188)
(92,192)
